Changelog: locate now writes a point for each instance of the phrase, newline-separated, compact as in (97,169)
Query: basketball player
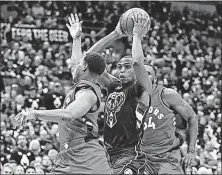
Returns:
(159,140)
(125,106)
(80,151)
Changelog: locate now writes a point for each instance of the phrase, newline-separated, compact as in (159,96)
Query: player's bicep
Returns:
(85,100)
(175,101)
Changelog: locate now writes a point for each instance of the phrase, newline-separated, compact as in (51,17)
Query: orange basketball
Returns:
(126,21)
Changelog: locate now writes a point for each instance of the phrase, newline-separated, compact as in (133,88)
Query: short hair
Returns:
(154,68)
(126,56)
(96,62)
(30,167)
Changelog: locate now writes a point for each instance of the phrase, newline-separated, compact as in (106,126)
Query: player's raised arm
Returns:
(106,78)
(137,53)
(174,100)
(75,29)
(107,40)
(84,100)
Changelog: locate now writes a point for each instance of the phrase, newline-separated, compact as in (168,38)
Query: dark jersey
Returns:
(83,127)
(120,128)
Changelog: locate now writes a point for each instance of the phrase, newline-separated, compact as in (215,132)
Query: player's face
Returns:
(150,72)
(125,69)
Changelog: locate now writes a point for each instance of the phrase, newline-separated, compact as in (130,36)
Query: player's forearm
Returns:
(104,42)
(193,132)
(137,50)
(138,65)
(56,115)
(76,51)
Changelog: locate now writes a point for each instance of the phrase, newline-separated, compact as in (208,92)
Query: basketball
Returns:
(126,21)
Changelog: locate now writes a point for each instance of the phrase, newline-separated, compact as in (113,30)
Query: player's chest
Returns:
(158,117)
(119,108)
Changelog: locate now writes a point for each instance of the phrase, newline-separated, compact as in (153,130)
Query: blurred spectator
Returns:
(34,146)
(7,169)
(54,99)
(19,170)
(30,170)
(21,154)
(33,101)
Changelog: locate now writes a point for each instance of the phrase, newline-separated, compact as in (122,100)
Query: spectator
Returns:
(7,169)
(21,154)
(52,154)
(46,163)
(34,146)
(19,170)
(30,170)
(33,101)
(55,99)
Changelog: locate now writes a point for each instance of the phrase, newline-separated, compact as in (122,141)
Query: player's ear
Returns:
(154,80)
(85,66)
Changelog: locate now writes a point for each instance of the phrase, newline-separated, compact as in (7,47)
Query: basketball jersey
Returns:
(120,128)
(82,127)
(159,127)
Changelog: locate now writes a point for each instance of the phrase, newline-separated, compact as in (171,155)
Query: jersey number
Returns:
(151,124)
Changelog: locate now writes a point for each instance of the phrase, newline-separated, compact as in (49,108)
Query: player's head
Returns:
(151,70)
(125,69)
(92,64)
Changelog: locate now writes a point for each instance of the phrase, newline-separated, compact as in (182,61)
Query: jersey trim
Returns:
(161,99)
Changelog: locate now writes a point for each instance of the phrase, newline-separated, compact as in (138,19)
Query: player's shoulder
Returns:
(83,85)
(86,91)
(169,93)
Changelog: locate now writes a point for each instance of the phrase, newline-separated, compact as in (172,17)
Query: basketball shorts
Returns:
(167,163)
(130,161)
(86,158)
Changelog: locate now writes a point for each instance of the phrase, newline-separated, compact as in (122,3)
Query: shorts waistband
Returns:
(118,151)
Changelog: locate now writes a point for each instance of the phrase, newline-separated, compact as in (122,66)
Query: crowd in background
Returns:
(177,45)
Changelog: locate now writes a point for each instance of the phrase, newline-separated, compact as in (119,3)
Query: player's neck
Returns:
(91,78)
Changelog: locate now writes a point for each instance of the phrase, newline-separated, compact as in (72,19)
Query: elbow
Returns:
(67,115)
(138,60)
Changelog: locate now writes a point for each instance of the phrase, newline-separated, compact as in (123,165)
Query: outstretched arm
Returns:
(174,100)
(75,29)
(137,54)
(106,78)
(107,40)
(84,100)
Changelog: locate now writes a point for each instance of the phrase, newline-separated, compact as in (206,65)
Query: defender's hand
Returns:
(140,23)
(21,118)
(74,26)
(119,31)
(189,159)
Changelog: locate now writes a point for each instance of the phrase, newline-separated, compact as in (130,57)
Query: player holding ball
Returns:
(127,102)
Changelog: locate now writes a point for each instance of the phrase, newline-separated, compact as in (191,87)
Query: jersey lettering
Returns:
(141,111)
(113,105)
(151,124)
